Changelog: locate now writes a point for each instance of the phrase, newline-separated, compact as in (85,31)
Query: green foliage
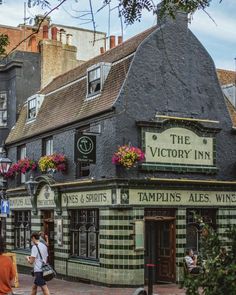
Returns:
(219,264)
(170,6)
(4,41)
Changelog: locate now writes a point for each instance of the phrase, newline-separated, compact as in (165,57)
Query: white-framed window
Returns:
(3,109)
(48,146)
(22,155)
(96,76)
(32,108)
(33,104)
(94,81)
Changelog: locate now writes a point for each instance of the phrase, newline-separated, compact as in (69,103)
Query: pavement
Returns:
(62,287)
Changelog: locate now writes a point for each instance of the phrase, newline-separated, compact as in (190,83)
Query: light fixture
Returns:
(31,186)
(5,163)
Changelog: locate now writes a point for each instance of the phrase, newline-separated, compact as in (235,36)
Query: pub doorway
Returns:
(160,244)
(48,228)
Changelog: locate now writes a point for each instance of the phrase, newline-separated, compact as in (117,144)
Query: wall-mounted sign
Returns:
(85,148)
(45,197)
(59,232)
(20,203)
(177,148)
(87,198)
(182,198)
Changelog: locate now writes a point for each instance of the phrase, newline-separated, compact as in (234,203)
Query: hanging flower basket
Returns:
(21,166)
(127,156)
(52,163)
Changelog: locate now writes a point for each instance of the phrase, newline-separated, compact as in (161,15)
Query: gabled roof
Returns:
(65,97)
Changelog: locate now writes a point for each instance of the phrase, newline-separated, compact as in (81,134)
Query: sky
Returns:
(215,28)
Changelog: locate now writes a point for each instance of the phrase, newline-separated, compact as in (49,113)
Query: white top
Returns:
(190,262)
(34,253)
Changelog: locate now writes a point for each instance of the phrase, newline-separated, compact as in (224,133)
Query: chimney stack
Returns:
(102,50)
(54,33)
(112,41)
(45,32)
(120,39)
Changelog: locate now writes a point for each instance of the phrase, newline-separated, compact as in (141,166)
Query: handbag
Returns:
(48,271)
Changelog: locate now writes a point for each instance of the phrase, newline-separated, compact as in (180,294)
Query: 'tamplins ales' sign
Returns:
(182,198)
(178,146)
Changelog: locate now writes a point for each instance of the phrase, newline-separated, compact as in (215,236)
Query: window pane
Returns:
(82,242)
(92,242)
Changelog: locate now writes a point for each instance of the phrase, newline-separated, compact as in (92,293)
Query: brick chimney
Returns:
(54,33)
(102,50)
(120,39)
(45,32)
(112,41)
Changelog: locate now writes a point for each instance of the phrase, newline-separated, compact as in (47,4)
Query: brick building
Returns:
(158,91)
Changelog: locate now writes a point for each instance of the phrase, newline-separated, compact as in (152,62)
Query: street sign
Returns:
(5,207)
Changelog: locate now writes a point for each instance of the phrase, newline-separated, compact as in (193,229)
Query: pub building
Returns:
(157,91)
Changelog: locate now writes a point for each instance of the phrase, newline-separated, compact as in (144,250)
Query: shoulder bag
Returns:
(48,272)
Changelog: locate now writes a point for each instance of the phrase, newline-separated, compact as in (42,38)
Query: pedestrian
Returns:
(43,238)
(7,271)
(37,262)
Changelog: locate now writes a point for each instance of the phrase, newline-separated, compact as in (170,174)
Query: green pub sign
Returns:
(178,149)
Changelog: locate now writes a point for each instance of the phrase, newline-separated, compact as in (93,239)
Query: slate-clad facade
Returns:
(160,92)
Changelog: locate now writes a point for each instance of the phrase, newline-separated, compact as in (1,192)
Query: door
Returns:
(48,227)
(160,249)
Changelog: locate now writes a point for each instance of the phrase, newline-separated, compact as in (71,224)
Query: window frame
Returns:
(48,141)
(29,109)
(21,154)
(3,109)
(89,81)
(82,225)
(22,217)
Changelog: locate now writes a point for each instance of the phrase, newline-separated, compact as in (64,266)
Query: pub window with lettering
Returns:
(194,218)
(84,233)
(22,222)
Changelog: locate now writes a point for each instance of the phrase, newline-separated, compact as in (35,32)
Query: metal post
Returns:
(150,278)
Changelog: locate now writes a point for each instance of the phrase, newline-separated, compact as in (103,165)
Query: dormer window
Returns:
(32,108)
(96,76)
(94,81)
(33,104)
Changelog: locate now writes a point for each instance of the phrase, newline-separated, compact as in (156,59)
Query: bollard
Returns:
(150,278)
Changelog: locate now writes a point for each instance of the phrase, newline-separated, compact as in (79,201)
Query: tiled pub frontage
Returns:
(116,227)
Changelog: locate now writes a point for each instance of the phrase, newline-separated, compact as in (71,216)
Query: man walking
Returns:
(7,271)
(37,261)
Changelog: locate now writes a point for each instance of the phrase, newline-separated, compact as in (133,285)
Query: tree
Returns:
(219,264)
(131,10)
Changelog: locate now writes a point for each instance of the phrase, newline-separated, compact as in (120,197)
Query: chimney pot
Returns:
(54,33)
(102,50)
(68,39)
(112,41)
(120,39)
(45,32)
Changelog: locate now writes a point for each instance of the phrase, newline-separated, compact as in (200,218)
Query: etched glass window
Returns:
(84,233)
(22,221)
